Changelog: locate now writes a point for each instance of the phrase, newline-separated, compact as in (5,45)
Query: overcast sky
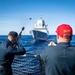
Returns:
(14,14)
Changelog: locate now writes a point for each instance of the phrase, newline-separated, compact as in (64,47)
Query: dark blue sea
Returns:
(29,65)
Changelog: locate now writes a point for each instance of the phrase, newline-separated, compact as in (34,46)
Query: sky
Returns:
(15,14)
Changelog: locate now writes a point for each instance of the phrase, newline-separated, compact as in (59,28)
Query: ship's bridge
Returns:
(40,23)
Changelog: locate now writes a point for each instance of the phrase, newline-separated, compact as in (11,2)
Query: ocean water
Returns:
(29,65)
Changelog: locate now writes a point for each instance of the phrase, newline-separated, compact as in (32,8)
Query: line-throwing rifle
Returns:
(20,34)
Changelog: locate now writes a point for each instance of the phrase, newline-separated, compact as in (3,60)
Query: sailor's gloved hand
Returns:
(52,44)
(15,44)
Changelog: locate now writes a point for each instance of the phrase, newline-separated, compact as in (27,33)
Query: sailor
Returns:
(7,51)
(60,59)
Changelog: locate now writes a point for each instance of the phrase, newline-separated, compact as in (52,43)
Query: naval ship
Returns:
(40,32)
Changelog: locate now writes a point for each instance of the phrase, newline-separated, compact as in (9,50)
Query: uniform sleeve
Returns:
(16,51)
(43,55)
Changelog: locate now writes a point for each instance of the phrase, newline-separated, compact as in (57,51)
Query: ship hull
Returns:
(38,35)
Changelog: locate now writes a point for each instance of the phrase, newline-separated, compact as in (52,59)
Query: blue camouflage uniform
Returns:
(59,60)
(7,52)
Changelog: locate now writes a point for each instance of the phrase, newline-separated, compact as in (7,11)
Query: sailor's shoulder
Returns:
(5,43)
(50,47)
(72,47)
